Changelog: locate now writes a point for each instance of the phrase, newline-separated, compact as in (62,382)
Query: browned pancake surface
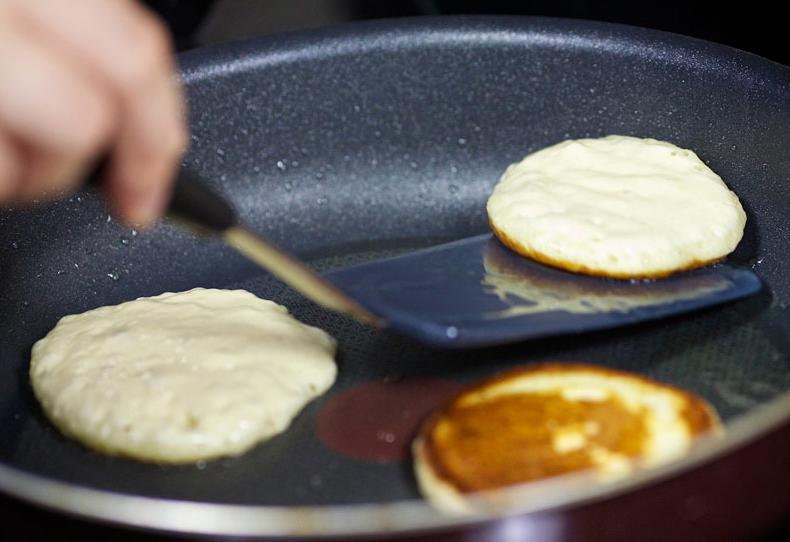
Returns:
(476,443)
(574,267)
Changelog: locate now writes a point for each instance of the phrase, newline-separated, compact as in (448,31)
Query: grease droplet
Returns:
(281,165)
(113,275)
(385,436)
(377,421)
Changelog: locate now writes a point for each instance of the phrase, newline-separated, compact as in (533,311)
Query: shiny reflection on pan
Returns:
(528,287)
(475,292)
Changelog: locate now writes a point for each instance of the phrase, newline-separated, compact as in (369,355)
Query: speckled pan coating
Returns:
(390,135)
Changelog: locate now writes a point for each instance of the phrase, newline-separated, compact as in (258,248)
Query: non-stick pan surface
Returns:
(367,140)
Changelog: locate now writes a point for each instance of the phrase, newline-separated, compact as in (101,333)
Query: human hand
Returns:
(83,78)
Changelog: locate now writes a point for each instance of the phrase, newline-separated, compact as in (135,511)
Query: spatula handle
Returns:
(199,206)
(192,203)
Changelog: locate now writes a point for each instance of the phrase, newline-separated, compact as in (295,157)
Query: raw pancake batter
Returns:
(618,206)
(180,377)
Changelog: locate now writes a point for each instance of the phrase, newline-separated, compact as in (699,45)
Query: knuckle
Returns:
(166,148)
(162,152)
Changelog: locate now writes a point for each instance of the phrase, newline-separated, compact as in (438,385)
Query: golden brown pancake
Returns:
(552,419)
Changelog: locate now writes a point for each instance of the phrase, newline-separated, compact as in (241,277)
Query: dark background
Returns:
(756,27)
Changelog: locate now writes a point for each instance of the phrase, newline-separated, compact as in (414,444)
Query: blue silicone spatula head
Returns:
(472,292)
(476,292)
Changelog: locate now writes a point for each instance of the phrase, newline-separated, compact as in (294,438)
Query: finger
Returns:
(150,143)
(135,58)
(53,109)
(10,167)
(49,175)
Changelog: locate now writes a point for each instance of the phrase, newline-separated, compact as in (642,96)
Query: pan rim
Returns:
(403,517)
(223,59)
(170,515)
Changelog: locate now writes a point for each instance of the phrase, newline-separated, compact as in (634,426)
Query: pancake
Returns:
(617,206)
(180,377)
(548,420)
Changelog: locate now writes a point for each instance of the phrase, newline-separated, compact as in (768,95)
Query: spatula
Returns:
(468,293)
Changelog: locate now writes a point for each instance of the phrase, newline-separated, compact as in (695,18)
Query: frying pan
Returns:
(368,140)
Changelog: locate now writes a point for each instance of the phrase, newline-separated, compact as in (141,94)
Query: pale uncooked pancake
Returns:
(553,419)
(180,377)
(617,206)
